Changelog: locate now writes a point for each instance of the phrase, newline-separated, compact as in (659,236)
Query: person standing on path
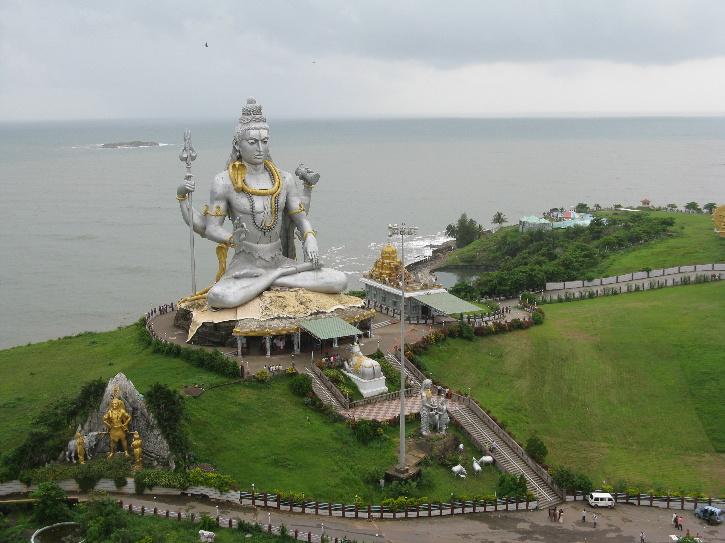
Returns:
(584,516)
(674,520)
(642,538)
(594,519)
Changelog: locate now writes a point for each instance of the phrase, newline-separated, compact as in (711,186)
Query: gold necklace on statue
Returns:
(237,175)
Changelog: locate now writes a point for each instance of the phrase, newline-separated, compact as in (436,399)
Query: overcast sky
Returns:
(372,58)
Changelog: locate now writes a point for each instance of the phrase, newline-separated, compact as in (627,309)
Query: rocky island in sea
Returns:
(126,144)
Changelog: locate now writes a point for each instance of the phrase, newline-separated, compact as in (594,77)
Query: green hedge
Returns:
(209,360)
(150,478)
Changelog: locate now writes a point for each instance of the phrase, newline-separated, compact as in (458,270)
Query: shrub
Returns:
(301,384)
(262,376)
(465,331)
(168,408)
(536,449)
(537,316)
(511,486)
(207,523)
(391,373)
(213,479)
(51,506)
(367,430)
(102,520)
(213,361)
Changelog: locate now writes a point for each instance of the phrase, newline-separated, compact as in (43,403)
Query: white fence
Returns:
(663,277)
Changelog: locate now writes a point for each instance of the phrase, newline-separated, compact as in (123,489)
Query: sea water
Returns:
(91,238)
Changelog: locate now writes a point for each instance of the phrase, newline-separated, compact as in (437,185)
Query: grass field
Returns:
(694,243)
(629,387)
(31,376)
(255,433)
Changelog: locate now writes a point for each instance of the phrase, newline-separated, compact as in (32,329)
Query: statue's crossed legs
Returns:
(241,286)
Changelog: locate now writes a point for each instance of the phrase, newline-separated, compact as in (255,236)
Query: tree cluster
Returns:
(465,230)
(524,261)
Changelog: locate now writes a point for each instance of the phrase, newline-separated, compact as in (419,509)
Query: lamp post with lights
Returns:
(402,230)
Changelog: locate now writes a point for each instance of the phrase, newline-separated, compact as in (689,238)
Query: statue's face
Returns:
(254,147)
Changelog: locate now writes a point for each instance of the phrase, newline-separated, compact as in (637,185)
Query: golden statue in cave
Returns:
(117,420)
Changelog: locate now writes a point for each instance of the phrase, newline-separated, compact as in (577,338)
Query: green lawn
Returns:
(622,388)
(264,435)
(694,243)
(255,433)
(31,376)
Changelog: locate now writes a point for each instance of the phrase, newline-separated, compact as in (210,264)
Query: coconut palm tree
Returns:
(499,218)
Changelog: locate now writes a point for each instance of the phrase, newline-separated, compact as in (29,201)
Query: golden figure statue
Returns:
(116,420)
(80,448)
(136,444)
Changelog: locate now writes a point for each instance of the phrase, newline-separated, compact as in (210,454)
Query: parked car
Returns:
(710,514)
(600,499)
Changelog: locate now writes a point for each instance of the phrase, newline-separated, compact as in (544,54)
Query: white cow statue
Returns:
(460,471)
(476,467)
(206,536)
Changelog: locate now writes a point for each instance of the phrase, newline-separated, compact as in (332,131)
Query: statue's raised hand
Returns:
(188,186)
(312,253)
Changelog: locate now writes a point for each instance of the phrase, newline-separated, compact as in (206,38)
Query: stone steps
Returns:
(505,458)
(321,391)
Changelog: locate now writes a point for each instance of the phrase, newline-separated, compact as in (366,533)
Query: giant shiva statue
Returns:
(265,206)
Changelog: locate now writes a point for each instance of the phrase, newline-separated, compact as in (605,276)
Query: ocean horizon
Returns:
(94,237)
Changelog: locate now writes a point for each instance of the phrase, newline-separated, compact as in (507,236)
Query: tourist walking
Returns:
(594,519)
(584,516)
(680,520)
(674,520)
(642,538)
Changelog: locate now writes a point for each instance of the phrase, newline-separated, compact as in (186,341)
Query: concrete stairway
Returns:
(322,393)
(506,459)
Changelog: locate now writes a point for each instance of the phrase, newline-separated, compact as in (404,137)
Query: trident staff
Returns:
(188,155)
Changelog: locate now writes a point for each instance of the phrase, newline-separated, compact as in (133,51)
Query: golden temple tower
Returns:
(387,268)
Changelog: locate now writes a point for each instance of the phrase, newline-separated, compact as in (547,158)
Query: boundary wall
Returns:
(642,280)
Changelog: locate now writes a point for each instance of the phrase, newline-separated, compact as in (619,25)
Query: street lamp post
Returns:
(402,231)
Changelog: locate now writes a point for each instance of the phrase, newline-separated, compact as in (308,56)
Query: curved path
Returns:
(620,525)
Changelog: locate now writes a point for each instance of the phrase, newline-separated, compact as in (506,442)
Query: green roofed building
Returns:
(534,223)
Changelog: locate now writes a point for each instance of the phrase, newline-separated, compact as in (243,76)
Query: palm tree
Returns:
(499,218)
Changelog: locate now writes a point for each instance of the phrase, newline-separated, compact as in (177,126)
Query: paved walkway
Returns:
(619,525)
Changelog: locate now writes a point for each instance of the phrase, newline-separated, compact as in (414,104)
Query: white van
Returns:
(600,499)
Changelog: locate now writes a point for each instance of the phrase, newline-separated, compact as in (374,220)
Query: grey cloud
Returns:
(465,31)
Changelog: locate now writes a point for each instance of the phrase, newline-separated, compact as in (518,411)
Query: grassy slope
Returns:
(272,440)
(254,433)
(694,243)
(30,376)
(628,387)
